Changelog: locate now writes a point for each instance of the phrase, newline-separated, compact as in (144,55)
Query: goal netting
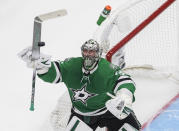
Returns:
(147,31)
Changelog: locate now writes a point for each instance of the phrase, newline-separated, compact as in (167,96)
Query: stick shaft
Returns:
(33,90)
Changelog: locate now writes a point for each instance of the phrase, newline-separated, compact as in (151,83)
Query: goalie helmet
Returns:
(91,53)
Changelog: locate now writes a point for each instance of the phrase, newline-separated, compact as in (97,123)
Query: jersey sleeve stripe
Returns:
(122,80)
(58,74)
(121,83)
(60,79)
(123,76)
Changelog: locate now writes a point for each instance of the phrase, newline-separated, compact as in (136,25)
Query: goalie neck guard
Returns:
(91,53)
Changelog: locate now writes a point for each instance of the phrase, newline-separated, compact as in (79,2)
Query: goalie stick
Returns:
(37,43)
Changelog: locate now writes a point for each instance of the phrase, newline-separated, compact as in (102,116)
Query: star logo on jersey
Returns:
(82,95)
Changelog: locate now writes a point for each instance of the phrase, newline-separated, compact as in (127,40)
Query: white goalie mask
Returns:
(91,53)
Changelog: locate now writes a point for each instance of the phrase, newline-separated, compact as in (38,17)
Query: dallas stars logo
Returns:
(82,95)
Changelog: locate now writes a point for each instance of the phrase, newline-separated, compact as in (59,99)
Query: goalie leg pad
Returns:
(76,124)
(127,127)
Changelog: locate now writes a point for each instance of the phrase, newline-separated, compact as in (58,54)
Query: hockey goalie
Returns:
(101,94)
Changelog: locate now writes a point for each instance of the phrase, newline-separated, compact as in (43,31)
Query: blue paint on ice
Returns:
(167,120)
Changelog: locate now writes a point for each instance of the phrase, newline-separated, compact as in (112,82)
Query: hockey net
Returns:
(150,48)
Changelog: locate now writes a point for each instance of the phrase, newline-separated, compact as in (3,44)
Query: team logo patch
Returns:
(82,95)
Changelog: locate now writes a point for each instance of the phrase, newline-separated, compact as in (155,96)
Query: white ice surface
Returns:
(63,37)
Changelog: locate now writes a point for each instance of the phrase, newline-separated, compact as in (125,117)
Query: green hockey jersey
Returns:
(88,90)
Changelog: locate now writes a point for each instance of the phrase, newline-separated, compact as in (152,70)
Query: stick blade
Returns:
(51,15)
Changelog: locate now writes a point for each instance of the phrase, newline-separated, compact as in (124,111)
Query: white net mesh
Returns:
(60,115)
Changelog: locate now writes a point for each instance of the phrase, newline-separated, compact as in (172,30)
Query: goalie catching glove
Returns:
(42,65)
(121,104)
